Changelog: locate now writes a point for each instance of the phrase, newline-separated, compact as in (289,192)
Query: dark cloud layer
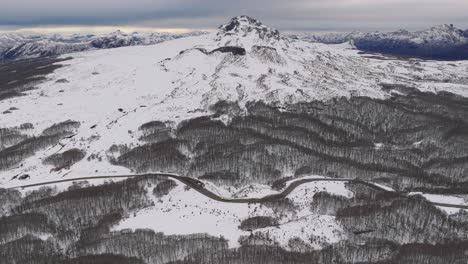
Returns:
(285,15)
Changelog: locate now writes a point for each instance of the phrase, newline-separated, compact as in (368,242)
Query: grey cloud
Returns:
(285,15)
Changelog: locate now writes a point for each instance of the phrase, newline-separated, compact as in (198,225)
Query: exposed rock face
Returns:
(232,50)
(245,25)
(245,32)
(267,54)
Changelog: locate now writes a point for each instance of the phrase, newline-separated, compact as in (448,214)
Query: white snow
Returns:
(447,199)
(157,83)
(185,211)
(379,145)
(43,237)
(384,187)
(314,230)
(127,79)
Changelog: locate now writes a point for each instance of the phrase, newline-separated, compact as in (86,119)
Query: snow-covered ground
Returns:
(146,87)
(446,199)
(185,211)
(112,92)
(99,83)
(384,187)
(137,80)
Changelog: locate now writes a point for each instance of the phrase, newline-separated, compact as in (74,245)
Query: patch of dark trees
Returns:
(257,222)
(74,226)
(384,215)
(155,131)
(377,251)
(412,142)
(21,146)
(163,188)
(20,76)
(10,137)
(381,228)
(65,159)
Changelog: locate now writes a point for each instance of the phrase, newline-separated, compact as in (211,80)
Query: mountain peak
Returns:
(246,27)
(117,32)
(240,21)
(444,27)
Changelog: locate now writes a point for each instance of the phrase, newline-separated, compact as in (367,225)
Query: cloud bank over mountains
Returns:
(300,15)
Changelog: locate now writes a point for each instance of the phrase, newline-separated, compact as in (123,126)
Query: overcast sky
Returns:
(290,15)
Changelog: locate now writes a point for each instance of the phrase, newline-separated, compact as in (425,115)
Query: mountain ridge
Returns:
(444,42)
(246,31)
(15,46)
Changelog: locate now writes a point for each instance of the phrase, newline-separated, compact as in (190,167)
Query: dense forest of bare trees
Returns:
(415,141)
(410,142)
(74,226)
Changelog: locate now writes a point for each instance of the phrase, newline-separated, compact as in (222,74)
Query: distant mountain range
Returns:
(443,42)
(14,46)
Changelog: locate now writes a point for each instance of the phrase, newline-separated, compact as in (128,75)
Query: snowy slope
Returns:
(112,92)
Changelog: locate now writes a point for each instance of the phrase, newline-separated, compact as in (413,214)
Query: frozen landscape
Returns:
(206,148)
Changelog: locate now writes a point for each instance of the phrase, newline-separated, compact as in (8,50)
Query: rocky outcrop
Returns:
(244,31)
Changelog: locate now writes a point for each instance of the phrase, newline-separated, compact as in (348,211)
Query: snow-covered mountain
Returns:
(439,42)
(14,46)
(247,112)
(243,62)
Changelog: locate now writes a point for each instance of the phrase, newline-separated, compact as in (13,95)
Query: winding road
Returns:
(200,187)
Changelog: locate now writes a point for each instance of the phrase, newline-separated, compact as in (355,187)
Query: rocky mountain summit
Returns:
(243,29)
